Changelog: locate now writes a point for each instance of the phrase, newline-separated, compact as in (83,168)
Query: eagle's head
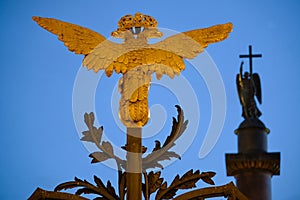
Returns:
(137,24)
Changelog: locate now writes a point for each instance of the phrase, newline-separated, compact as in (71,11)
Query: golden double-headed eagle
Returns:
(135,58)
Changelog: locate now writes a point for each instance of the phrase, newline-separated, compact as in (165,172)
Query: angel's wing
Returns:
(189,44)
(238,86)
(77,38)
(257,86)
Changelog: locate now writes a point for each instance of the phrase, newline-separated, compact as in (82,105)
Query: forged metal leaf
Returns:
(209,174)
(157,145)
(154,181)
(107,147)
(87,136)
(208,180)
(207,177)
(68,185)
(98,182)
(106,191)
(84,191)
(164,155)
(78,179)
(179,126)
(93,135)
(110,189)
(152,165)
(161,153)
(98,157)
(168,155)
(89,119)
(187,181)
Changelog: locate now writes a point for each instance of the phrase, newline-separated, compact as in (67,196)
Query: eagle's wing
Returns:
(78,39)
(148,60)
(104,55)
(257,86)
(189,44)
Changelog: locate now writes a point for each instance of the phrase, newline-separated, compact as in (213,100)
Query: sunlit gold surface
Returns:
(135,58)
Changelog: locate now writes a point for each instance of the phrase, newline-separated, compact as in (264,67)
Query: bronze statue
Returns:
(248,86)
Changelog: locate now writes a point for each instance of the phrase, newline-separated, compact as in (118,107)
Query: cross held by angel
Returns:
(134,57)
(249,87)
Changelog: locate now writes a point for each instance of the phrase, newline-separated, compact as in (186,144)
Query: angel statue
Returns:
(134,57)
(248,86)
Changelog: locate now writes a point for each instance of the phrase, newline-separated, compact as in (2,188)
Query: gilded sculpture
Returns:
(135,58)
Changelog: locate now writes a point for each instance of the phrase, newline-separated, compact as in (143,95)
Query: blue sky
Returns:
(40,146)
